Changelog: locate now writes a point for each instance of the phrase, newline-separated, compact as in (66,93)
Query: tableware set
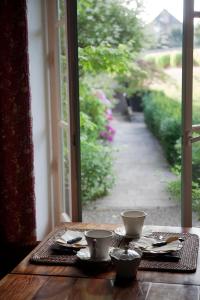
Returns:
(95,246)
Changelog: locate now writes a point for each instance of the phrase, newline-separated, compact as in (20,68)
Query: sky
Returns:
(154,7)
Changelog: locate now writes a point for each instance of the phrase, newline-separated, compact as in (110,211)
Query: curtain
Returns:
(17,201)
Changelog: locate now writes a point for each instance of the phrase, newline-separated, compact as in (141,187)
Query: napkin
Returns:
(145,244)
(69,235)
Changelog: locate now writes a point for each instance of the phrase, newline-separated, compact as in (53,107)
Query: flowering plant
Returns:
(109,132)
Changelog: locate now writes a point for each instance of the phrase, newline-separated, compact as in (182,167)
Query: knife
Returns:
(74,240)
(167,241)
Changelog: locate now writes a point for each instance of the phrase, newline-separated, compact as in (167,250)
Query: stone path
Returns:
(142,175)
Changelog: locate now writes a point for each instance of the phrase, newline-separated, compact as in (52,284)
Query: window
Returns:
(63,47)
(64,104)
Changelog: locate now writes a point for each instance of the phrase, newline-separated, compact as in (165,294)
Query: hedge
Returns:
(163,117)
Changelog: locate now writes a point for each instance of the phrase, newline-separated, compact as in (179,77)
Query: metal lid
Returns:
(124,254)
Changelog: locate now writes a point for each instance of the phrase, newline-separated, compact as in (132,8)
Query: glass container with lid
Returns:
(126,262)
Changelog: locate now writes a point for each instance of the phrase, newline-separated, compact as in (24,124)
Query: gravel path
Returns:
(142,177)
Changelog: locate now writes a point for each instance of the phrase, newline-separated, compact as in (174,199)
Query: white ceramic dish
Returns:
(84,255)
(121,232)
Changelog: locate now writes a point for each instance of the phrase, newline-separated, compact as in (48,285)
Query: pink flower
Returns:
(109,116)
(108,134)
(102,97)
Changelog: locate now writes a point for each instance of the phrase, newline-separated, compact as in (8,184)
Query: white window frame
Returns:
(72,126)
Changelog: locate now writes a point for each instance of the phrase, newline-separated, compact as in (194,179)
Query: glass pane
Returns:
(63,106)
(61,9)
(196,5)
(196,120)
(63,74)
(65,169)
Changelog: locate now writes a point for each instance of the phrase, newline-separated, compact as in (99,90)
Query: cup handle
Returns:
(94,252)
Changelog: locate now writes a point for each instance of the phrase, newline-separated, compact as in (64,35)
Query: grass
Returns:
(172,85)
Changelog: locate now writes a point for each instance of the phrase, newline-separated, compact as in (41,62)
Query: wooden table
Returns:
(28,281)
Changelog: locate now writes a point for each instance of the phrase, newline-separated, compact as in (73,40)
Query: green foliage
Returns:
(95,60)
(196,55)
(175,37)
(96,165)
(197,35)
(163,61)
(174,188)
(138,77)
(171,59)
(93,108)
(163,117)
(176,60)
(96,157)
(108,21)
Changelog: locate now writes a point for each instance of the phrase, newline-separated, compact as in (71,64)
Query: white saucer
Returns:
(84,255)
(121,232)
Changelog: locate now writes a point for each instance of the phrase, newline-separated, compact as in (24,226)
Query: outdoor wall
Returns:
(39,92)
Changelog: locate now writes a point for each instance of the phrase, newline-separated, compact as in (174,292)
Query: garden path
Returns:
(142,174)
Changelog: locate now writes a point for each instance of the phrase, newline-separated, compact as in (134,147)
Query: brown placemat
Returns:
(187,263)
(188,255)
(44,254)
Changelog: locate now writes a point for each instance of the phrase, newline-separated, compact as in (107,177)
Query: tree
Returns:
(109,22)
(175,37)
(197,35)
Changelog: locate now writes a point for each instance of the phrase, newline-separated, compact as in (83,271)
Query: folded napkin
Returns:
(69,235)
(145,244)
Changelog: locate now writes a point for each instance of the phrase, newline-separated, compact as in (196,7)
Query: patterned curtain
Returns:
(17,202)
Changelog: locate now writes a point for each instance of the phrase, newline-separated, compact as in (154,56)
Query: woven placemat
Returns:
(188,255)
(187,262)
(44,254)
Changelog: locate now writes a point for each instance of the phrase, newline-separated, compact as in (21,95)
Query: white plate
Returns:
(145,244)
(84,255)
(121,231)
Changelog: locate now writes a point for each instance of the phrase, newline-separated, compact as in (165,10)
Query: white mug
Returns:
(133,222)
(99,242)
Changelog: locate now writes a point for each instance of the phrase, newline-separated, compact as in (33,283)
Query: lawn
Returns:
(172,84)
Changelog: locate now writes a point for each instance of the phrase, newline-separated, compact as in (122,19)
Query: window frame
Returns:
(56,123)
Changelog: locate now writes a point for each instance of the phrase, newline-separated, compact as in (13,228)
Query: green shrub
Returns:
(96,156)
(163,61)
(96,170)
(176,59)
(93,108)
(197,56)
(163,117)
(174,188)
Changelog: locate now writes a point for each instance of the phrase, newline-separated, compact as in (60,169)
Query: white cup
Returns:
(99,242)
(133,222)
